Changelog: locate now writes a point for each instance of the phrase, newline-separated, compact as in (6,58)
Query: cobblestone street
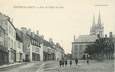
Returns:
(52,66)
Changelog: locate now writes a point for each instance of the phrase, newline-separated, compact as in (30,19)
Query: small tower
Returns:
(37,32)
(100,28)
(97,29)
(92,29)
(99,19)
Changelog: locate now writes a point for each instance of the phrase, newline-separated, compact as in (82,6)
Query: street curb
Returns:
(12,66)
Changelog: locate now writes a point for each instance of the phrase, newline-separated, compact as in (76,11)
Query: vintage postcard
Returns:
(57,35)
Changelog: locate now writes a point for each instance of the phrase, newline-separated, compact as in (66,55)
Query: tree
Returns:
(102,48)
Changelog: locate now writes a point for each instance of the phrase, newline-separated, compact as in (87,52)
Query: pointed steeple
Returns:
(97,28)
(92,29)
(99,18)
(93,19)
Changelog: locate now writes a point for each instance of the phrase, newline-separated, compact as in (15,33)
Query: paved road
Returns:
(29,67)
(52,66)
(106,66)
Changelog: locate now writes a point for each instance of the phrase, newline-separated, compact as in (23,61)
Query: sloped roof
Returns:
(86,38)
(19,35)
(35,37)
(46,43)
(4,17)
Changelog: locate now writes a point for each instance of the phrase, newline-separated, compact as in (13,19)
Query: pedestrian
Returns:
(60,63)
(87,61)
(84,57)
(70,62)
(65,62)
(76,61)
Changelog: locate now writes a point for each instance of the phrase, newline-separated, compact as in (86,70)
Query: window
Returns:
(8,42)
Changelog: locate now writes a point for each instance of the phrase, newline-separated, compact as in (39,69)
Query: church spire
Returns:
(97,29)
(99,18)
(93,19)
(92,29)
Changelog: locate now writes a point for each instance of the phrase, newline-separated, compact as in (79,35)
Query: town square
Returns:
(57,36)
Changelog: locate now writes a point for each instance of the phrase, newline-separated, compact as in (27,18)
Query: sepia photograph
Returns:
(57,35)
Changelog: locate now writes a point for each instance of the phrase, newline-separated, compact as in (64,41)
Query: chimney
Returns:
(105,35)
(23,29)
(32,34)
(37,32)
(110,34)
(42,36)
(98,35)
(29,31)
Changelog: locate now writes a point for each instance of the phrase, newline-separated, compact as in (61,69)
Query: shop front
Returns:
(12,55)
(35,57)
(3,55)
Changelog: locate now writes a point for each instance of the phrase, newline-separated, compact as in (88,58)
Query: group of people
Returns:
(66,62)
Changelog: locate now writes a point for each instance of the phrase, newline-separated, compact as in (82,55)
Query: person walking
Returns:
(70,62)
(60,63)
(65,62)
(87,59)
(76,61)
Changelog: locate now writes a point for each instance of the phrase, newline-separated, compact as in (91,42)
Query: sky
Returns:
(66,19)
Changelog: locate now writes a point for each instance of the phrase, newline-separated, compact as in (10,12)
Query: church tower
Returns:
(92,29)
(97,29)
(100,27)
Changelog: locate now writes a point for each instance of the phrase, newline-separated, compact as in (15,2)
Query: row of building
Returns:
(96,31)
(18,45)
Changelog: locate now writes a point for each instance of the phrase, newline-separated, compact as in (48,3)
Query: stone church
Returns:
(79,44)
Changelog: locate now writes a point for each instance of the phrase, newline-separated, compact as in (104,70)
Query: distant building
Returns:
(97,28)
(34,47)
(48,51)
(59,52)
(31,45)
(80,44)
(26,44)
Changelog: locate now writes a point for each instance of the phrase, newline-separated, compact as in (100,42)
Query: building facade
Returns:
(80,44)
(59,52)
(31,45)
(19,46)
(3,48)
(48,51)
(24,45)
(10,38)
(11,41)
(35,47)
